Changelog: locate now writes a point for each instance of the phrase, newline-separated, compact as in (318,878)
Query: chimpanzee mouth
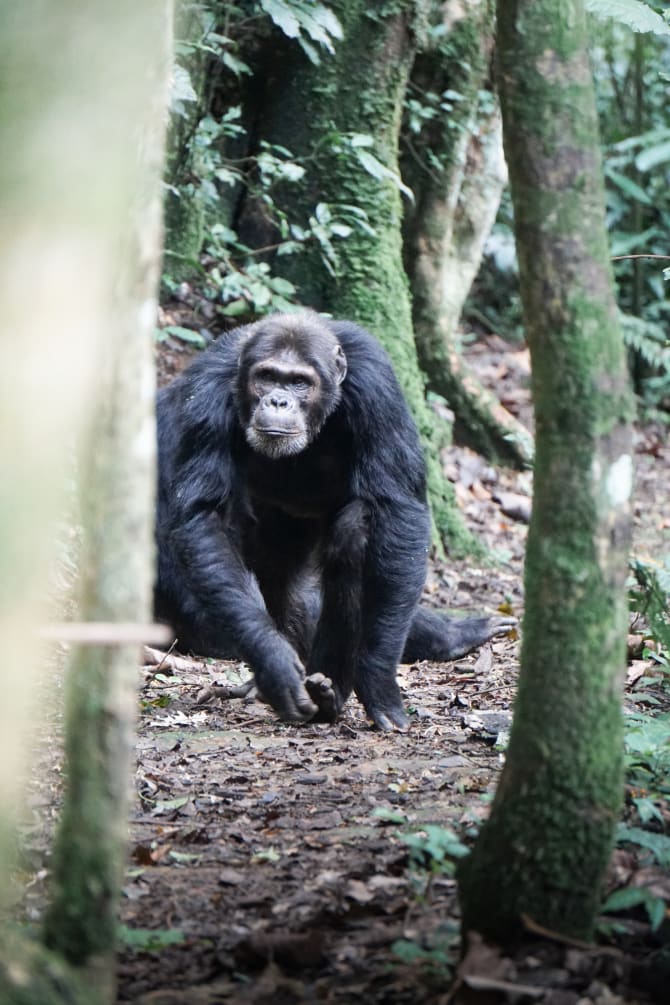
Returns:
(276,442)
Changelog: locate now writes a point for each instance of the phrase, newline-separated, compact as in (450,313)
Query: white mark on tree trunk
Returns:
(619,481)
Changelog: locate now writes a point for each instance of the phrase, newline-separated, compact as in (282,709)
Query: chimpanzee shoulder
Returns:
(386,437)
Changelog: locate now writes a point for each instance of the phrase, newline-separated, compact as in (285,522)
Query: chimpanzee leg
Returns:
(434,636)
(394,574)
(335,648)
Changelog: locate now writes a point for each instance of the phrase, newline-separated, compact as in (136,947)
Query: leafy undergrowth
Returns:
(279,864)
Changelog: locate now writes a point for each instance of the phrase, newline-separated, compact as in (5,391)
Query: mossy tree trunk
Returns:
(545,847)
(455,167)
(314,111)
(184,205)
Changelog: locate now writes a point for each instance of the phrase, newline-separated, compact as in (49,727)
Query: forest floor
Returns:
(275,864)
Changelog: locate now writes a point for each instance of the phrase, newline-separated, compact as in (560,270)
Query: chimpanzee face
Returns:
(289,380)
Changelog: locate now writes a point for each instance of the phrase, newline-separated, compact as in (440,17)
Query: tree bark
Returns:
(116,575)
(81,117)
(545,847)
(456,168)
(183,204)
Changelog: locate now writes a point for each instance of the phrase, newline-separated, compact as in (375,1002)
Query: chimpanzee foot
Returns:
(391,719)
(434,636)
(474,632)
(321,691)
(498,626)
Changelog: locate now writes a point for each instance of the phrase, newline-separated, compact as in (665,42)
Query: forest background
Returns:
(298,130)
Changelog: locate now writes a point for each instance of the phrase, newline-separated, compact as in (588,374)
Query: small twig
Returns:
(566,940)
(162,656)
(620,258)
(224,692)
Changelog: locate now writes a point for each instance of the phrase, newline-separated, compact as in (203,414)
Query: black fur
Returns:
(309,567)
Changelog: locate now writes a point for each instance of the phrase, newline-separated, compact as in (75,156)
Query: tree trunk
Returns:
(116,575)
(315,111)
(455,166)
(184,205)
(80,132)
(545,847)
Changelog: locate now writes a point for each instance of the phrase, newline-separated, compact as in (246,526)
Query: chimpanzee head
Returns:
(290,370)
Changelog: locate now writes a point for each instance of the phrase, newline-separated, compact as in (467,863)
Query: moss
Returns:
(32,975)
(184,232)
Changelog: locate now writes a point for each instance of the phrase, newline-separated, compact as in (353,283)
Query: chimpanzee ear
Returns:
(340,364)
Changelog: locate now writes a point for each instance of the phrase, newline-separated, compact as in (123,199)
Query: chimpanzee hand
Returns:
(281,682)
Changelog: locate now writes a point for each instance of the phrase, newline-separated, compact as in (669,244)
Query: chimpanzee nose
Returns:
(277,400)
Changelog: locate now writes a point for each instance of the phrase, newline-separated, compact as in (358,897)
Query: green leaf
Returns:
(623,900)
(282,16)
(652,156)
(657,844)
(623,244)
(361,140)
(636,15)
(182,88)
(186,335)
(656,912)
(379,171)
(628,186)
(164,806)
(237,66)
(145,940)
(235,308)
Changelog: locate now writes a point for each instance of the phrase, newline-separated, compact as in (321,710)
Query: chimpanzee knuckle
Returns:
(287,694)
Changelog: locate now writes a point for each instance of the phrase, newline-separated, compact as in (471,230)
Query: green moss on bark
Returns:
(32,975)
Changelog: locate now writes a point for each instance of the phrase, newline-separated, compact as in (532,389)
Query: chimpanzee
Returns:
(292,522)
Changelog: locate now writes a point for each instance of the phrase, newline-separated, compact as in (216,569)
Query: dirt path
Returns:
(260,840)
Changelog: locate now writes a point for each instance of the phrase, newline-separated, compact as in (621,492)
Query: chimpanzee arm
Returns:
(203,582)
(228,595)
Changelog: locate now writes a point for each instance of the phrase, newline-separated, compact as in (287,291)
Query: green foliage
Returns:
(650,597)
(631,74)
(358,146)
(636,15)
(647,759)
(435,959)
(630,897)
(657,844)
(183,334)
(300,18)
(433,850)
(647,749)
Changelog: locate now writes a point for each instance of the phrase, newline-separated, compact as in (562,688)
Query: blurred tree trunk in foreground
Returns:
(545,847)
(82,111)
